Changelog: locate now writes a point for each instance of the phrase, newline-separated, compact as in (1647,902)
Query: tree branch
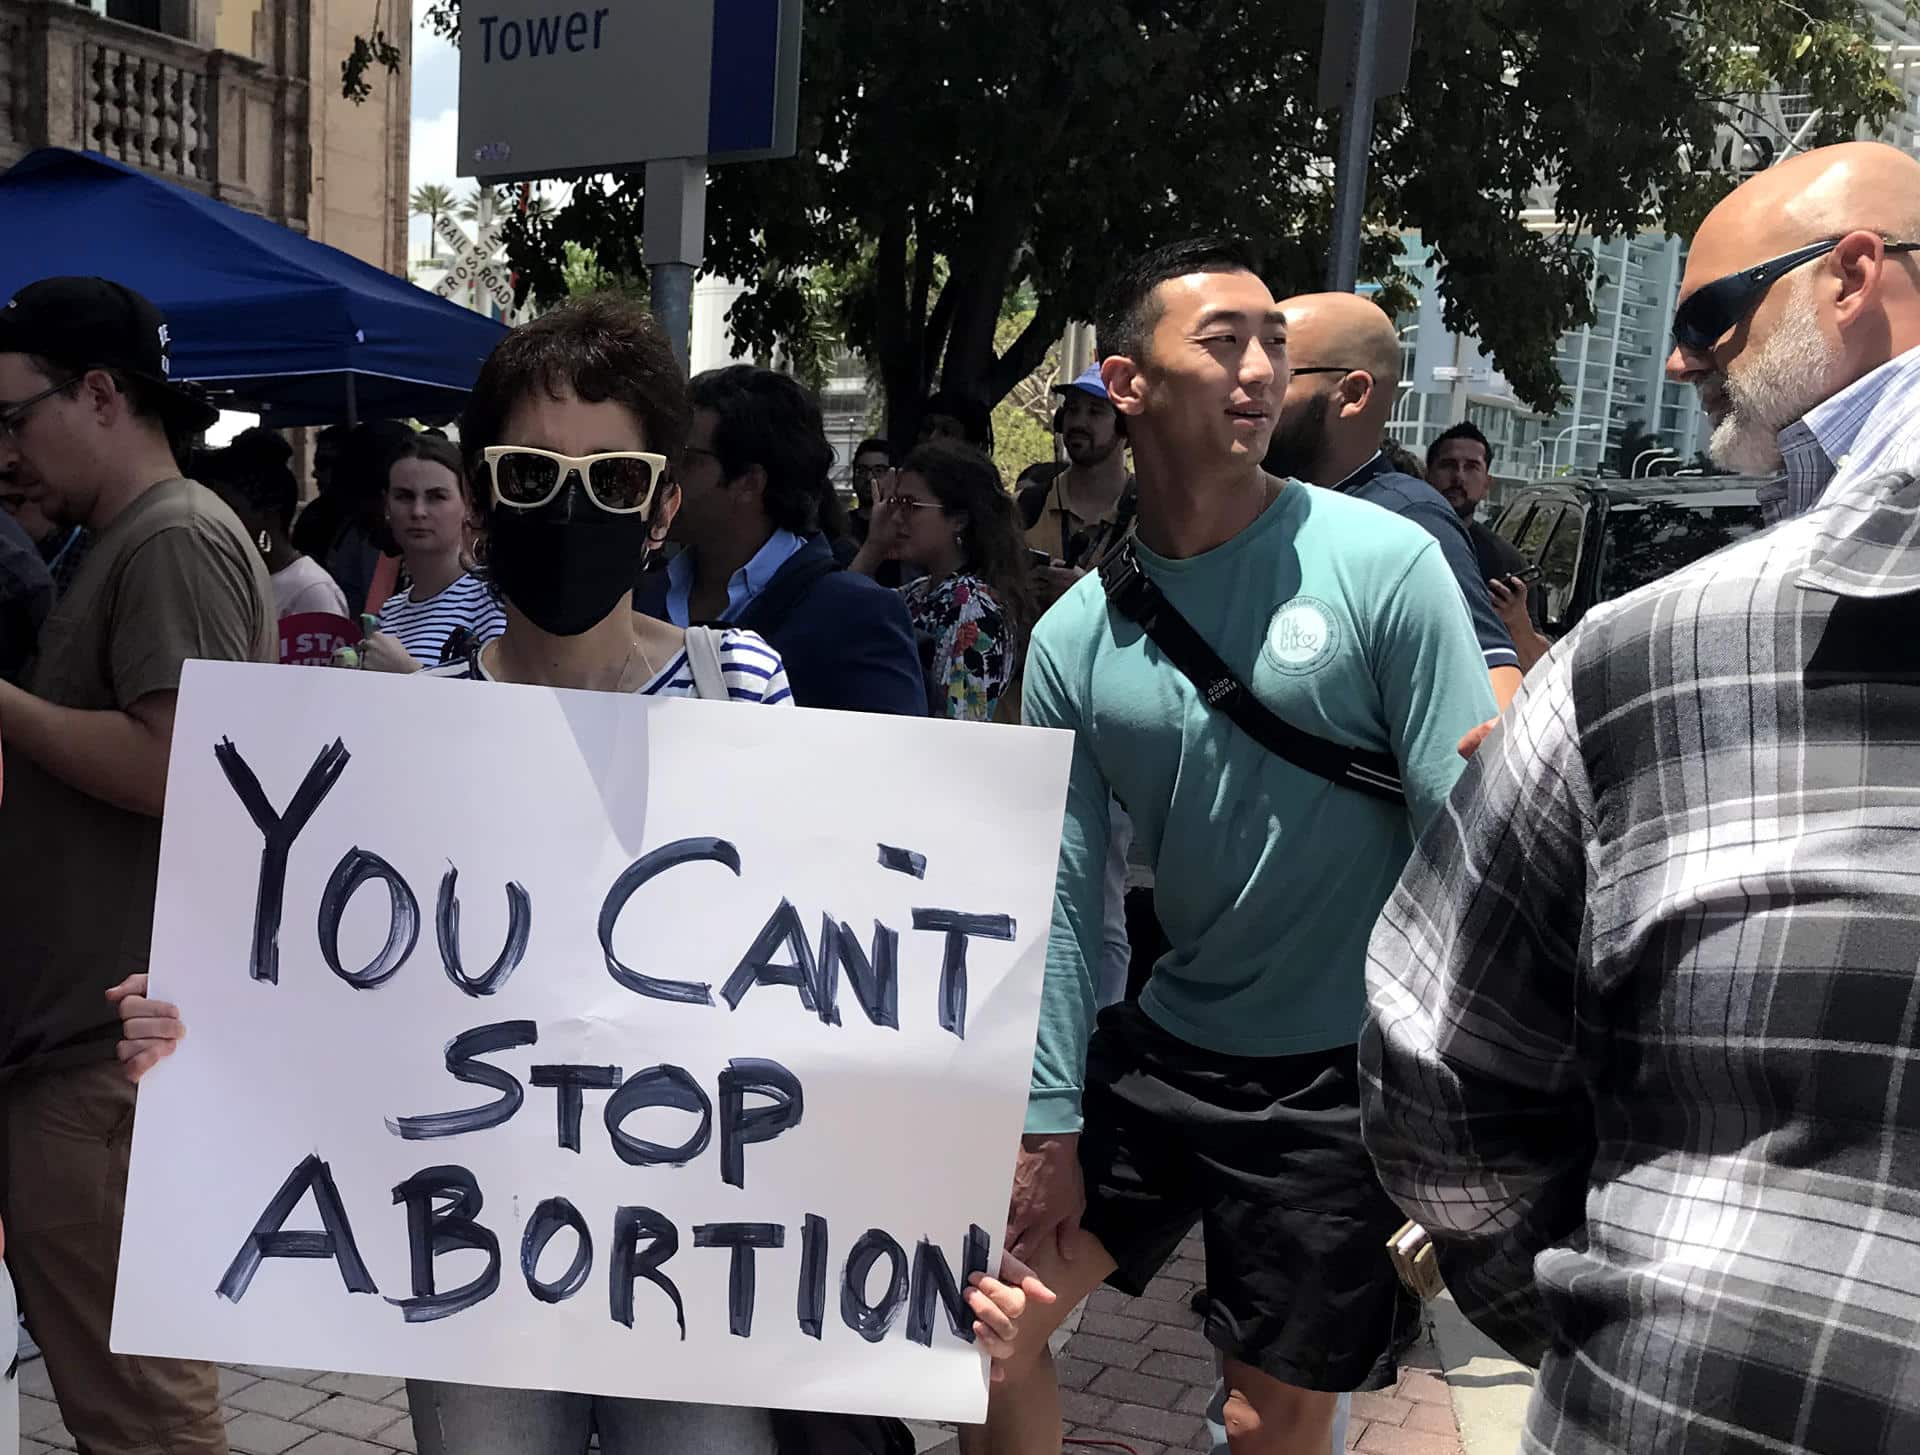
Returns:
(1027,352)
(926,340)
(892,328)
(939,328)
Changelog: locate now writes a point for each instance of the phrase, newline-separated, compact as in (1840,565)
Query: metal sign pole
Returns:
(675,223)
(1356,137)
(611,89)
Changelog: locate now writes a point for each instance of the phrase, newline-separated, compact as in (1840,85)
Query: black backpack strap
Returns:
(1132,593)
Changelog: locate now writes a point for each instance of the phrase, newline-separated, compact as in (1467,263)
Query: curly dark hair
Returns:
(769,420)
(993,548)
(600,347)
(974,416)
(254,469)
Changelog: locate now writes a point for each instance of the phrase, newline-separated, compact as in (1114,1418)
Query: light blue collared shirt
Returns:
(748,582)
(1869,428)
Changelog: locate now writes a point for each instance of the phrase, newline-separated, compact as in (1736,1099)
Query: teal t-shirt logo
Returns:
(1302,636)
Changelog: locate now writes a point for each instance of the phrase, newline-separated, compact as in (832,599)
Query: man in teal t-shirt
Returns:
(1229,1094)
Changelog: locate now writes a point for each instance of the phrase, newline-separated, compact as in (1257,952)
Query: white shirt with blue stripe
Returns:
(745,584)
(1871,427)
(752,669)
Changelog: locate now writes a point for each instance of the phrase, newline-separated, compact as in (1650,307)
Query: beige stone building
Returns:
(239,99)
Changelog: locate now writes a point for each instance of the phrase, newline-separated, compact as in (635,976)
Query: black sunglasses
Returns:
(1713,310)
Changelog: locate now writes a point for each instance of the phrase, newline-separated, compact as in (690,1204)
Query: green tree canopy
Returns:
(954,153)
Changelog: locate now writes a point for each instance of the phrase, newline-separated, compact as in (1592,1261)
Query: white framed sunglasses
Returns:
(620,482)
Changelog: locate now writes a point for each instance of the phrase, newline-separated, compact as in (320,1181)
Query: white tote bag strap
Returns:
(703,657)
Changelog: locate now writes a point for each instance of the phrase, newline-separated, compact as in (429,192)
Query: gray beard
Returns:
(1786,377)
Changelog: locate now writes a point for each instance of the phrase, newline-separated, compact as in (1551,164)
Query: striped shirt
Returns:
(424,626)
(1644,1005)
(1871,427)
(752,669)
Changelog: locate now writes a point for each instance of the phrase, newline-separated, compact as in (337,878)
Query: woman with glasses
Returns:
(949,515)
(569,436)
(431,510)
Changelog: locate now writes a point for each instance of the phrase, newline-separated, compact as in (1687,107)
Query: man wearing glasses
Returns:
(752,480)
(1799,317)
(871,464)
(1644,1002)
(89,424)
(1346,365)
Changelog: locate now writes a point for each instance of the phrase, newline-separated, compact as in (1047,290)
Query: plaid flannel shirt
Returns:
(1644,1006)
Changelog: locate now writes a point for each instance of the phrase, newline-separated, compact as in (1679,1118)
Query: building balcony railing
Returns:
(221,123)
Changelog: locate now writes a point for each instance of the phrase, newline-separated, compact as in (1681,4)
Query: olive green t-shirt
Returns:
(173,576)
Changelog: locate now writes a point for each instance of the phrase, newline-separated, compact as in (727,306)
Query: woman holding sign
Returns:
(569,437)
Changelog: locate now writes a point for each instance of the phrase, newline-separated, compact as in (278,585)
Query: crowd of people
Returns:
(1606,981)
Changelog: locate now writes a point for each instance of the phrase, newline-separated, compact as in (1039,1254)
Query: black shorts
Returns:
(1266,1154)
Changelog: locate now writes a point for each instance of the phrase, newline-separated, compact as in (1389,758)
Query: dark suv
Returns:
(1594,540)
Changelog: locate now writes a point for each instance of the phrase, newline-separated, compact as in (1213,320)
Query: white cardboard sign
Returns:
(724,1107)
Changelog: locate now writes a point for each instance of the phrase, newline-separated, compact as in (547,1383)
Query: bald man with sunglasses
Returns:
(1799,322)
(1642,1007)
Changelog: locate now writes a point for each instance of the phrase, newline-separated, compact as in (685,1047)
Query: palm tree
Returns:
(433,202)
(470,204)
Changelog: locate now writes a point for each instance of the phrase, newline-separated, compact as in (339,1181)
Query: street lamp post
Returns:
(1660,450)
(1570,429)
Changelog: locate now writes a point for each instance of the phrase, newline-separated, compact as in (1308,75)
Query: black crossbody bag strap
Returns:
(1132,593)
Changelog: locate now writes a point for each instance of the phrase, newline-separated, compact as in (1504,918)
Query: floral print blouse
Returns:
(973,648)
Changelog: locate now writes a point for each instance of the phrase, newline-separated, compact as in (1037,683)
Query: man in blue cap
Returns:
(1087,506)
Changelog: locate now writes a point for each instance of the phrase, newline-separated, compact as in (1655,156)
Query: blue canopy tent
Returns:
(262,317)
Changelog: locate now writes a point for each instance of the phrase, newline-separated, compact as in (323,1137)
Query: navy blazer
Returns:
(846,640)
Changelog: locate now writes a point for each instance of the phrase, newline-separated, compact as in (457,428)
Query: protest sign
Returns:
(580,1041)
(9,1375)
(310,638)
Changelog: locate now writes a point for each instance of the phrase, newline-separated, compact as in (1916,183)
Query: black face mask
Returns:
(567,564)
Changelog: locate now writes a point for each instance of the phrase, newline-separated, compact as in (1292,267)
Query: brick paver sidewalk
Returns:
(1138,1372)
(269,1412)
(1135,1373)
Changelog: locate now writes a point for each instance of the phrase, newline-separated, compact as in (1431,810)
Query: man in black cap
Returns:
(91,425)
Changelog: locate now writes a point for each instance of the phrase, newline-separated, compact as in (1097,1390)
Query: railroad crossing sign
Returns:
(473,267)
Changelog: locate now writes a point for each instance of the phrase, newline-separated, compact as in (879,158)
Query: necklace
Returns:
(622,685)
